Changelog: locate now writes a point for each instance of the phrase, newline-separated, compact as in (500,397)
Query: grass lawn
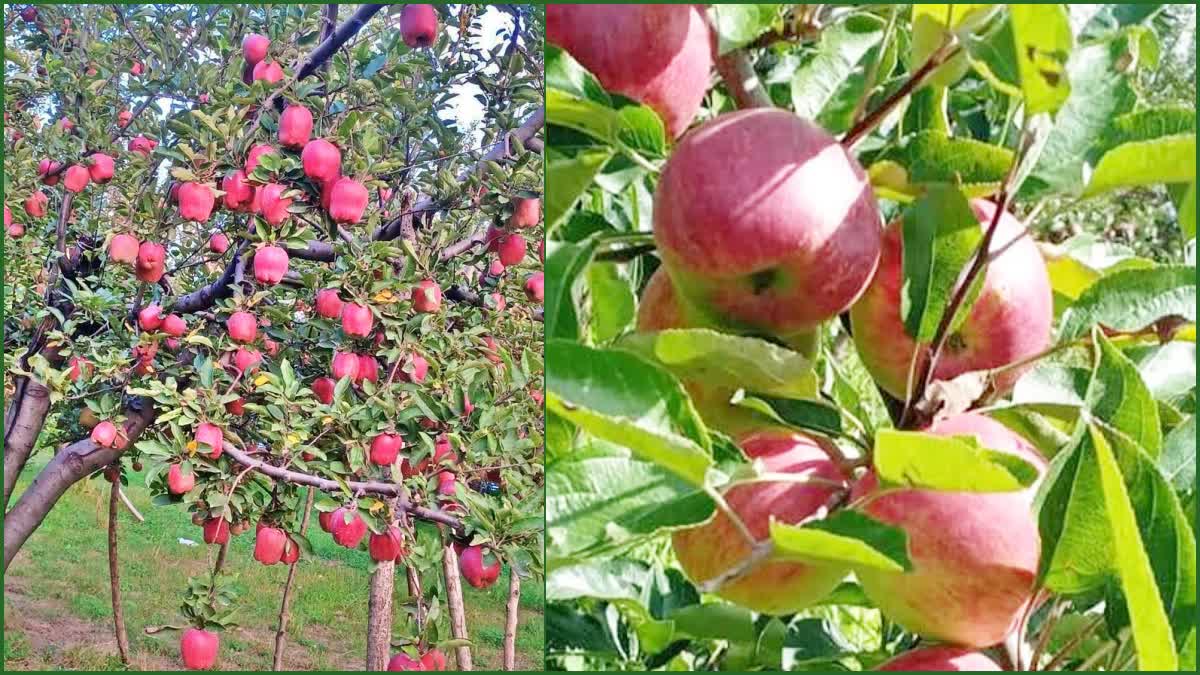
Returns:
(58,614)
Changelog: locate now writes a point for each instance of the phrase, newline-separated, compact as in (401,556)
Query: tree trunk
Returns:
(72,464)
(510,626)
(114,574)
(29,415)
(379,616)
(285,606)
(454,602)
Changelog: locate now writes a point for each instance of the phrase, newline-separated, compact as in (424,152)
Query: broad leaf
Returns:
(845,538)
(1130,300)
(950,463)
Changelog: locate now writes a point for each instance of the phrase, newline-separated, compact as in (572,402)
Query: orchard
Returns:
(253,269)
(871,337)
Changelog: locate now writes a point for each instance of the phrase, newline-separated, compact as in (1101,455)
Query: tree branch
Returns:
(741,80)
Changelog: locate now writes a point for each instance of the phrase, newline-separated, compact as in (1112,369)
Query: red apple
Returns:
(242,327)
(535,287)
(254,48)
(295,126)
(491,349)
(246,360)
(150,263)
(368,369)
(142,145)
(659,55)
(150,318)
(124,118)
(101,168)
(510,248)
(1011,319)
(216,531)
(269,544)
(974,554)
(939,658)
(238,192)
(328,304)
(418,25)
(526,212)
(209,434)
(348,527)
(199,648)
(218,243)
(433,659)
(15,230)
(179,482)
(427,297)
(475,568)
(123,248)
(252,157)
(76,178)
(345,364)
(347,201)
(81,368)
(323,388)
(291,551)
(236,407)
(174,325)
(270,264)
(35,204)
(321,159)
(413,368)
(357,319)
(268,71)
(385,448)
(709,550)
(403,661)
(273,207)
(386,546)
(196,201)
(136,69)
(104,433)
(798,253)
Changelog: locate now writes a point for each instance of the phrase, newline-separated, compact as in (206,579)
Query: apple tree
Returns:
(282,259)
(831,385)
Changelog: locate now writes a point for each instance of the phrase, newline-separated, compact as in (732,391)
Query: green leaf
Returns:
(564,265)
(803,415)
(626,400)
(612,301)
(1132,299)
(844,538)
(930,157)
(1118,396)
(739,25)
(715,621)
(947,463)
(1178,459)
(1147,125)
(588,117)
(1069,278)
(641,130)
(565,74)
(720,359)
(929,31)
(1151,628)
(1187,213)
(1170,159)
(566,180)
(839,53)
(941,233)
(1043,41)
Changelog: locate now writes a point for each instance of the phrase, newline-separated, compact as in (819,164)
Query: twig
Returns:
(741,80)
(129,505)
(1076,640)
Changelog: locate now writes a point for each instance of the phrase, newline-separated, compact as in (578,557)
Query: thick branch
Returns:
(371,487)
(344,32)
(741,80)
(69,466)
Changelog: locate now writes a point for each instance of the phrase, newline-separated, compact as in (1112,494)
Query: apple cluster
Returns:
(767,226)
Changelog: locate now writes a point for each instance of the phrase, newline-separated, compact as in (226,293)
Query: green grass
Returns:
(58,614)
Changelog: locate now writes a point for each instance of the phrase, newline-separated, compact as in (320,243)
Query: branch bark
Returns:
(510,624)
(114,574)
(743,83)
(379,615)
(454,603)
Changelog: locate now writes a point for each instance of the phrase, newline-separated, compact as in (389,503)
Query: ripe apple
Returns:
(348,527)
(218,242)
(709,550)
(368,369)
(236,407)
(246,360)
(269,544)
(238,192)
(403,661)
(939,658)
(150,264)
(270,264)
(510,248)
(427,297)
(15,230)
(268,71)
(142,145)
(418,25)
(385,448)
(242,327)
(1011,319)
(196,201)
(322,388)
(150,318)
(491,350)
(357,319)
(535,287)
(475,568)
(386,546)
(179,482)
(347,201)
(104,433)
(216,531)
(254,48)
(30,13)
(123,248)
(345,364)
(328,304)
(209,434)
(174,325)
(76,178)
(136,69)
(295,126)
(765,223)
(124,118)
(413,368)
(273,207)
(291,551)
(321,159)
(252,157)
(198,648)
(101,168)
(659,55)
(526,213)
(433,659)
(974,555)
(35,204)
(80,368)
